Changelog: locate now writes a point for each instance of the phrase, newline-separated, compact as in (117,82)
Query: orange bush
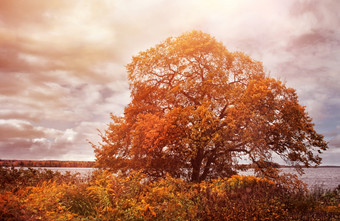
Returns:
(135,197)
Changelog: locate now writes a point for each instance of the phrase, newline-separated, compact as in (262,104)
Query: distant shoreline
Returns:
(324,166)
(87,164)
(47,163)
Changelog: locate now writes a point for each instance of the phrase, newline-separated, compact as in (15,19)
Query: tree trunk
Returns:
(206,169)
(196,166)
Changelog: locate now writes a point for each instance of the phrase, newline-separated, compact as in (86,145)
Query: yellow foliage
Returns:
(133,197)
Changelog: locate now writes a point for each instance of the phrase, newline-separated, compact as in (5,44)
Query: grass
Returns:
(45,195)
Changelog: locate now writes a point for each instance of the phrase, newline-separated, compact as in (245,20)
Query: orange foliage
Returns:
(197,109)
(135,197)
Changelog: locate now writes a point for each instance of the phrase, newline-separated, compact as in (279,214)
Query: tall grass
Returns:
(46,195)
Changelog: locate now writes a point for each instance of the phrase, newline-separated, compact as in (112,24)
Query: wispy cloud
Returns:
(62,63)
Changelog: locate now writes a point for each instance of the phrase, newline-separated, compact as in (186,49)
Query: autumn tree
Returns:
(197,109)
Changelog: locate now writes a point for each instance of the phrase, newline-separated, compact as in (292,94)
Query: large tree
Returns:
(197,109)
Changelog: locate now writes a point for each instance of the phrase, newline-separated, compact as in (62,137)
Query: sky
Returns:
(62,63)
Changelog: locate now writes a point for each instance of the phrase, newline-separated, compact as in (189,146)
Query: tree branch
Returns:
(222,114)
(190,98)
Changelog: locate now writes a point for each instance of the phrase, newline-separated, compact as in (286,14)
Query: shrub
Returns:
(134,197)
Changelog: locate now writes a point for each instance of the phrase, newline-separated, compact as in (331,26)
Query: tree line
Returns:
(45,163)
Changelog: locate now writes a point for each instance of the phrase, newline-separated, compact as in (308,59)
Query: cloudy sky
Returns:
(62,63)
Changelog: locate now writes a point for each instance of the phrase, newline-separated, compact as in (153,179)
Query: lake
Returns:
(84,172)
(325,177)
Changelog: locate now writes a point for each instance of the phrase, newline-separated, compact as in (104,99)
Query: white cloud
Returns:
(62,63)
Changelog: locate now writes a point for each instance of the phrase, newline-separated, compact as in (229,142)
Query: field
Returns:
(29,194)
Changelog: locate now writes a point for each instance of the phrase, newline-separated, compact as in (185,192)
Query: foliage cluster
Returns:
(13,179)
(107,196)
(197,109)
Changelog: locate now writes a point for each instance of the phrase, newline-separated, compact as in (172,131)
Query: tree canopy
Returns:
(197,109)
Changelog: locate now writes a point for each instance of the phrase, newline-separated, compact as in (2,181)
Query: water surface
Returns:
(324,177)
